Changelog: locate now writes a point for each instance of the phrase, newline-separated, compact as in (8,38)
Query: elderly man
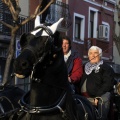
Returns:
(97,81)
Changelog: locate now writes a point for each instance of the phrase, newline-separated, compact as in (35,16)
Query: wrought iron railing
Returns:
(58,10)
(6,17)
(25,28)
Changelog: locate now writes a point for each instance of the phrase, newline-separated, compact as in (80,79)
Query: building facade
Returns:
(86,22)
(96,22)
(93,24)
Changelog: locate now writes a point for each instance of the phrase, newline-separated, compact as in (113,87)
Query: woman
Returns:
(97,81)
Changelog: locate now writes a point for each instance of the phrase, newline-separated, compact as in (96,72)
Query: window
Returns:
(3,52)
(92,26)
(78,29)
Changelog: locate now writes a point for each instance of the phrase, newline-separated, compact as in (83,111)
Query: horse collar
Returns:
(58,107)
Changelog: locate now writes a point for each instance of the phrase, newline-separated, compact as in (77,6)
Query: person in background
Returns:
(97,81)
(73,62)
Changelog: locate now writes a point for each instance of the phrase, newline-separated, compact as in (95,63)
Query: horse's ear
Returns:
(23,39)
(37,21)
(54,27)
(57,39)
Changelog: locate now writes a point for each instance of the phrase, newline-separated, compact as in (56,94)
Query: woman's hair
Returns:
(95,48)
(68,39)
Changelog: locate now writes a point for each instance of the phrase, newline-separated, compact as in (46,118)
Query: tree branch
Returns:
(8,25)
(18,10)
(11,8)
(36,12)
(38,7)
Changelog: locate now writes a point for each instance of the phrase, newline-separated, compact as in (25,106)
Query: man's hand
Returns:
(69,79)
(96,101)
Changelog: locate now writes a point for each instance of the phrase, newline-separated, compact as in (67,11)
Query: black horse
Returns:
(50,96)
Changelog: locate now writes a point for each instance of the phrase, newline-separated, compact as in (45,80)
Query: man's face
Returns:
(65,46)
(94,56)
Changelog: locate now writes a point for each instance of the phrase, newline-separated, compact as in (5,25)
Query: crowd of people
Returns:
(93,80)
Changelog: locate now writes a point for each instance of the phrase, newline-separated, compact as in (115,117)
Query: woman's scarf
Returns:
(90,67)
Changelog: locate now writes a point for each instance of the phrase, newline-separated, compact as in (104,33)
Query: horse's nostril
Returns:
(24,64)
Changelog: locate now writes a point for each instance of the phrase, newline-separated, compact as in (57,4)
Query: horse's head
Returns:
(36,47)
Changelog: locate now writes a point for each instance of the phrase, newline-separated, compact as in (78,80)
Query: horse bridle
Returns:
(49,39)
(39,59)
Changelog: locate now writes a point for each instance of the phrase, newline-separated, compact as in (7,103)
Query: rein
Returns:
(3,113)
(34,65)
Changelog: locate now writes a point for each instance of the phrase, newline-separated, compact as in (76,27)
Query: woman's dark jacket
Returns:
(99,83)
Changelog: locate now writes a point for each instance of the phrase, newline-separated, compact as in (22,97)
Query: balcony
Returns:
(6,17)
(103,44)
(58,10)
(111,1)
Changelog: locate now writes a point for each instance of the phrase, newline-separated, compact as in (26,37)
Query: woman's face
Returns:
(65,46)
(94,56)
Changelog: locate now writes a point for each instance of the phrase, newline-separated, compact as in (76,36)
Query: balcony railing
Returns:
(6,17)
(25,28)
(58,10)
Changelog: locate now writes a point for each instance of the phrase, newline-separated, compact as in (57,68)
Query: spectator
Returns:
(73,62)
(97,81)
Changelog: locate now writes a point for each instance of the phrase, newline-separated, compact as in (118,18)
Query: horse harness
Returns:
(49,109)
(58,107)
